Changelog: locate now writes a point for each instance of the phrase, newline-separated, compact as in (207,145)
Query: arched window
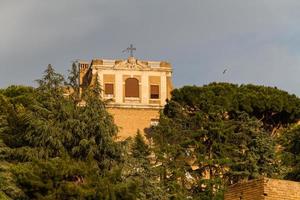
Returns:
(132,87)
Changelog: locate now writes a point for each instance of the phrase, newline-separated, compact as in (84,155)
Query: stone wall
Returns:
(264,189)
(129,120)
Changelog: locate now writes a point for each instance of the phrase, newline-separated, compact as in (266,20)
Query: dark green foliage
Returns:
(54,179)
(73,78)
(57,146)
(54,140)
(252,151)
(65,179)
(73,84)
(290,152)
(54,126)
(51,80)
(272,106)
(219,134)
(140,149)
(139,169)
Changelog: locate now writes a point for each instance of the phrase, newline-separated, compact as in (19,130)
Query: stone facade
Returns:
(264,189)
(135,90)
(129,120)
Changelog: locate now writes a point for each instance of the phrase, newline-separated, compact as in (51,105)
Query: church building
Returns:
(136,90)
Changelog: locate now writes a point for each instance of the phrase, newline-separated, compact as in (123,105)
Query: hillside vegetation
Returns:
(208,138)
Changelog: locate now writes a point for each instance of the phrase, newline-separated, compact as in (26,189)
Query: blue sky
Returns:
(257,41)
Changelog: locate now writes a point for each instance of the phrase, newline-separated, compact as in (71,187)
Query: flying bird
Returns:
(225,70)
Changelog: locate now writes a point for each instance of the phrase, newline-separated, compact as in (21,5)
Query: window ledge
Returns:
(132,99)
(109,96)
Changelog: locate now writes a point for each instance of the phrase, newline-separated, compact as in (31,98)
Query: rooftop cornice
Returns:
(130,63)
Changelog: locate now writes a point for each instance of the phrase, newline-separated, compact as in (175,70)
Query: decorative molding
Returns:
(134,106)
(131,63)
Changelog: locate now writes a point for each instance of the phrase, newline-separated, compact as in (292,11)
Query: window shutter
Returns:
(109,88)
(154,91)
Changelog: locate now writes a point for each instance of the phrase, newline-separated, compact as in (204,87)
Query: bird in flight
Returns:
(225,70)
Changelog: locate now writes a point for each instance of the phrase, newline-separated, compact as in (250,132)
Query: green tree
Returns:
(140,149)
(51,81)
(53,147)
(73,81)
(274,107)
(290,152)
(56,149)
(205,140)
(140,169)
(252,151)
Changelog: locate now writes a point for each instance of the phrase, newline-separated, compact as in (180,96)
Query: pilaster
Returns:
(118,88)
(163,89)
(145,88)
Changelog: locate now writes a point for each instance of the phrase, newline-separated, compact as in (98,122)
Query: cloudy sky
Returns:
(256,40)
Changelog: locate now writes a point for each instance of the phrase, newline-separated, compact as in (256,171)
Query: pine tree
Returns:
(73,80)
(140,149)
(53,134)
(208,137)
(252,150)
(290,152)
(51,80)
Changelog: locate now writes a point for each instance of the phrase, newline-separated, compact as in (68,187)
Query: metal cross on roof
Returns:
(130,49)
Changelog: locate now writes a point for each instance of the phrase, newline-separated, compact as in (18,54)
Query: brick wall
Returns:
(251,190)
(129,120)
(264,189)
(281,190)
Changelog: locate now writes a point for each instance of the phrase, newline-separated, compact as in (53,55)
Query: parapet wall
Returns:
(247,191)
(264,189)
(280,189)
